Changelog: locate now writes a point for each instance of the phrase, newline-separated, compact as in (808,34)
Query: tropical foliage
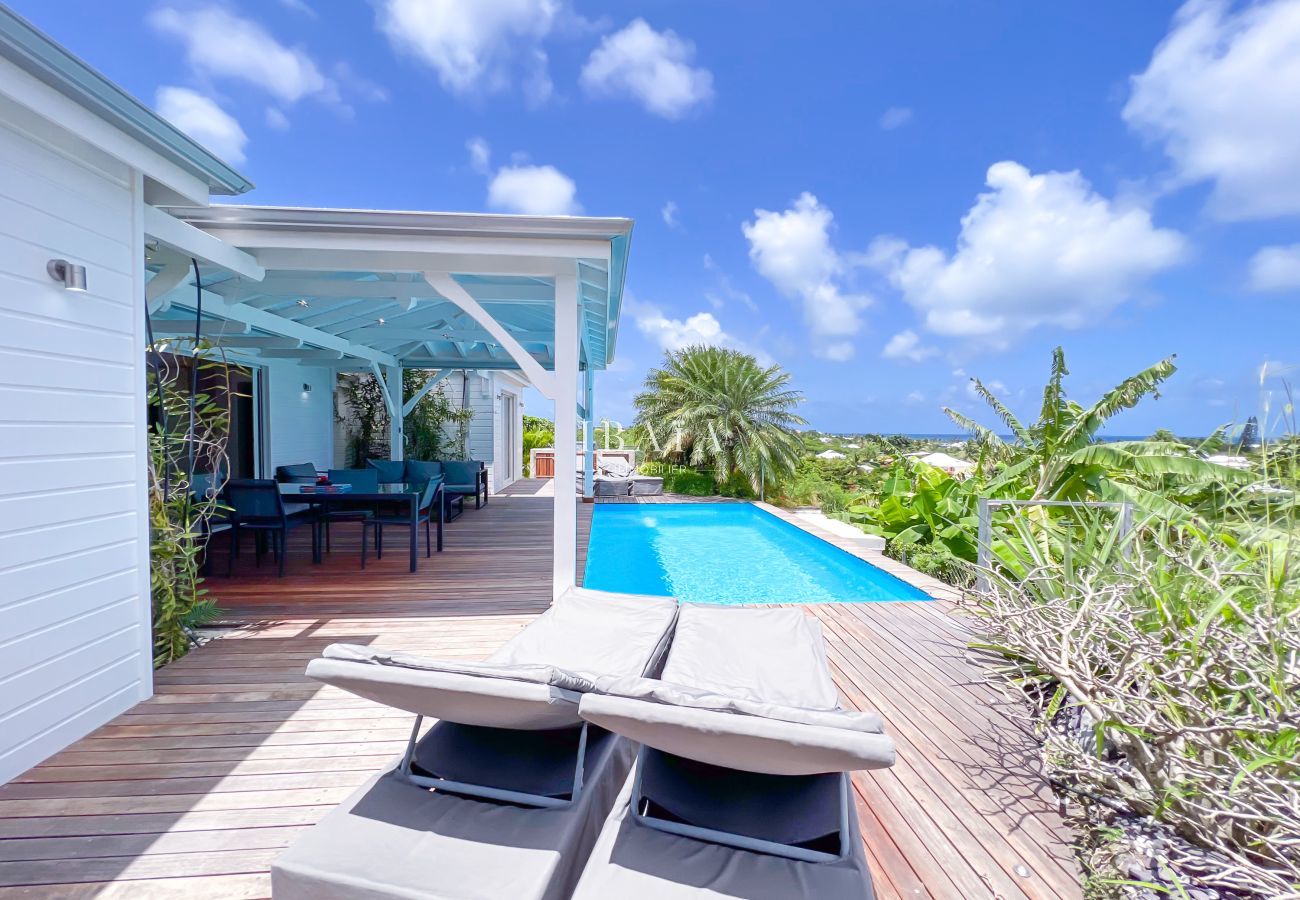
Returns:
(719,409)
(190,396)
(1177,656)
(436,428)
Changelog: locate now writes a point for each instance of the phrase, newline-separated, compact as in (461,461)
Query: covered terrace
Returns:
(379,291)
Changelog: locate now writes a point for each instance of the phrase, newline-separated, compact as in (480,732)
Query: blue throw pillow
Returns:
(419,471)
(391,471)
(460,472)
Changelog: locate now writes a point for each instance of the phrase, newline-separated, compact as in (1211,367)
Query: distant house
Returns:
(853,446)
(831,454)
(1231,462)
(824,439)
(958,468)
(866,469)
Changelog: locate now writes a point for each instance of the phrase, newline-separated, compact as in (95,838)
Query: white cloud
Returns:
(276,119)
(203,120)
(299,6)
(534,191)
(914,397)
(475,47)
(674,334)
(1034,251)
(906,345)
(651,66)
(895,117)
(792,249)
(220,44)
(1222,92)
(669,214)
(480,155)
(1275,269)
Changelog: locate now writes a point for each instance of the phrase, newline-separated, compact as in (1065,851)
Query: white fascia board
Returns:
(269,322)
(73,118)
(191,241)
(381,260)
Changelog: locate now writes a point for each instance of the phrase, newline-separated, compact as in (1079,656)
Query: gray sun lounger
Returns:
(504,795)
(741,786)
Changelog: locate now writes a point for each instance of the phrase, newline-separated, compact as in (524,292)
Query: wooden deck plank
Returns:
(193,792)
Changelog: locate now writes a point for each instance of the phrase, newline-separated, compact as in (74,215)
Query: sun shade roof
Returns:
(354,287)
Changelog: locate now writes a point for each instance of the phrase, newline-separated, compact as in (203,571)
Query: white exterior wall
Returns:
(506,467)
(300,425)
(75,644)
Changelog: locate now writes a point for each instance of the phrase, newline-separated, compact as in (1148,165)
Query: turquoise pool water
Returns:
(726,553)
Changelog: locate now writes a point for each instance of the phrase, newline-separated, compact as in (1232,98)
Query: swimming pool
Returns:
(726,553)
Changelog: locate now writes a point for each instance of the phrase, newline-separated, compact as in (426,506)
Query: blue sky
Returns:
(885,198)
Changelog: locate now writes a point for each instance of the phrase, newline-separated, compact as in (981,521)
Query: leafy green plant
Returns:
(715,408)
(737,485)
(690,482)
(922,505)
(1182,651)
(184,438)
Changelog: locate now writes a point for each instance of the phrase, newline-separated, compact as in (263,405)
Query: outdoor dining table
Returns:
(406,494)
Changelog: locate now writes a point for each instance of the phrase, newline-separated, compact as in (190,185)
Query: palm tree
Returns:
(1062,457)
(720,408)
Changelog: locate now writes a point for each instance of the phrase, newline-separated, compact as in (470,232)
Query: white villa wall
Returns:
(75,645)
(300,425)
(507,467)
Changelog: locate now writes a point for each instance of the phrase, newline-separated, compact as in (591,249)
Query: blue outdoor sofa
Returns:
(460,476)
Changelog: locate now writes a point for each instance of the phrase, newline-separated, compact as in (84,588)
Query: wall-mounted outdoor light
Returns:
(306,388)
(73,277)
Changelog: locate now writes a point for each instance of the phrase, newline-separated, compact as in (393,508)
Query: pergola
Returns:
(380,291)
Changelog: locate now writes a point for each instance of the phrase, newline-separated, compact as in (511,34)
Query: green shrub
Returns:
(737,485)
(691,483)
(934,560)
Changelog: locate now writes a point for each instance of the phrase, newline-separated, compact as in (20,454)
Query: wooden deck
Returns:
(193,793)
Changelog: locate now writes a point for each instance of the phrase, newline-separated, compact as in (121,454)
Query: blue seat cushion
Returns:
(391,471)
(461,473)
(419,471)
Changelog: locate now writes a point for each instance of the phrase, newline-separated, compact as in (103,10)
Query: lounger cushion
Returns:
(616,468)
(770,655)
(396,841)
(657,691)
(633,862)
(533,681)
(596,633)
(737,741)
(496,696)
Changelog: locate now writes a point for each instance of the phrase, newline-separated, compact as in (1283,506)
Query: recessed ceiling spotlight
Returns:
(381,320)
(303,303)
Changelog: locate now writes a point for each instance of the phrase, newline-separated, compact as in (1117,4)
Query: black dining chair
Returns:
(256,506)
(298,473)
(431,494)
(365,481)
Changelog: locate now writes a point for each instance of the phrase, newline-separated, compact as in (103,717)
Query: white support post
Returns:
(396,417)
(588,434)
(565,536)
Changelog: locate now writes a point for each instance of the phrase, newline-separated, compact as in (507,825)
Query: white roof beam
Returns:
(303,353)
(453,291)
(191,241)
(246,318)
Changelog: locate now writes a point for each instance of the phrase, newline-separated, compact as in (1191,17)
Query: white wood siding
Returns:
(300,424)
(74,609)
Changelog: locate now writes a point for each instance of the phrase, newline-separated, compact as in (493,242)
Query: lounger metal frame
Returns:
(742,841)
(488,792)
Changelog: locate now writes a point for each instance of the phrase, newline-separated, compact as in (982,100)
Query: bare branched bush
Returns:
(1182,653)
